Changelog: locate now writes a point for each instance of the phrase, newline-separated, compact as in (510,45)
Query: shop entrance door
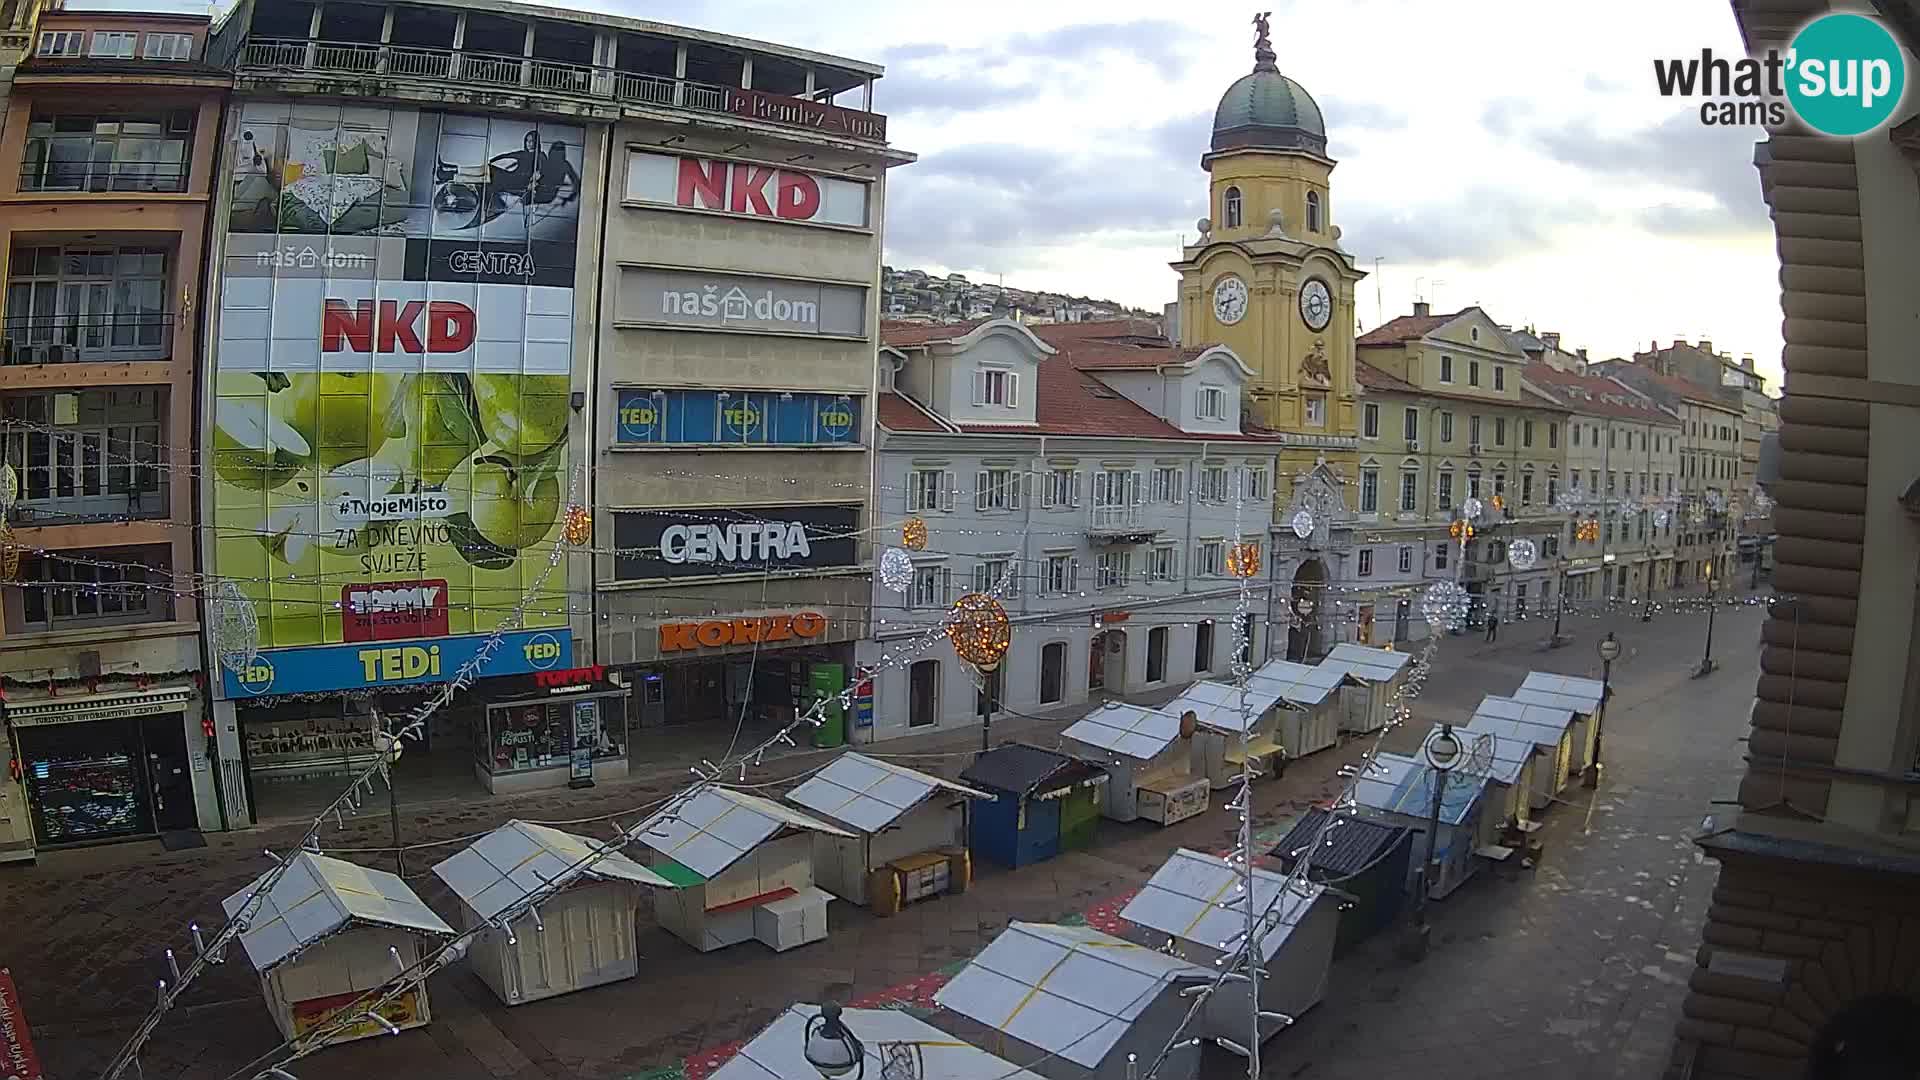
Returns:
(85,781)
(169,773)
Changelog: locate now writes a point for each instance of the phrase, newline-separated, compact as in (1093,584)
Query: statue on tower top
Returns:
(1263,54)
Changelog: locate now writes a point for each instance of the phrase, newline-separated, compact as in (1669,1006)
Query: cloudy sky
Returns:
(1508,153)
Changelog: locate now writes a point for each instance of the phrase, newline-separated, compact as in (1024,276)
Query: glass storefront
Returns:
(529,735)
(105,779)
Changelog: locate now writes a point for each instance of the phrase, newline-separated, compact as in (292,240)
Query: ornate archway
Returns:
(1308,604)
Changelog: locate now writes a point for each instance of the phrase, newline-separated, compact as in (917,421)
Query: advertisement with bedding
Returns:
(392,405)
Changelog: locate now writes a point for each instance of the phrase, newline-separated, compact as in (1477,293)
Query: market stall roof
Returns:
(1402,785)
(1133,731)
(779,1051)
(1192,897)
(1561,691)
(1024,770)
(1345,849)
(1071,991)
(1367,663)
(318,896)
(1509,745)
(1299,683)
(1544,724)
(1216,705)
(870,794)
(520,857)
(717,827)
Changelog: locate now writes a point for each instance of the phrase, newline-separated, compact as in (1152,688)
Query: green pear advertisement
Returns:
(389,437)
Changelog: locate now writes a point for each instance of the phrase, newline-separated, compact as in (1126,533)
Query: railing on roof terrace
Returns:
(553,77)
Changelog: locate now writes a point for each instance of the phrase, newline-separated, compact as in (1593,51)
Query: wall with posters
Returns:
(390,423)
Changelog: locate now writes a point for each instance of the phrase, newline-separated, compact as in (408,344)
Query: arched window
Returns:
(1231,212)
(1313,211)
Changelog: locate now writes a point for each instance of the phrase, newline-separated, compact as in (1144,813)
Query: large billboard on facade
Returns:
(393,371)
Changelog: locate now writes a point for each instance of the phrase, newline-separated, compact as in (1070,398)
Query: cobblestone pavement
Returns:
(1577,964)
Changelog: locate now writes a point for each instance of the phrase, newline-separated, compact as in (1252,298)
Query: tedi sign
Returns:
(1843,75)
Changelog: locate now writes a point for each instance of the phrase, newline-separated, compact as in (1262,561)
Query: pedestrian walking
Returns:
(1493,627)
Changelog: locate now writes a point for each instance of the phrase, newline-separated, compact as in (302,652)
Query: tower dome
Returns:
(1265,110)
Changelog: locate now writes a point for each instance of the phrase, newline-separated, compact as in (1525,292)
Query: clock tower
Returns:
(1268,277)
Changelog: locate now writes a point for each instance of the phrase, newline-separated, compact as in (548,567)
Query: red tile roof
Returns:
(896,413)
(904,334)
(1672,384)
(1375,379)
(1592,394)
(1129,329)
(1372,378)
(1405,328)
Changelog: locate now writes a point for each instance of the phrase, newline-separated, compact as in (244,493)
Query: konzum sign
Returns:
(763,630)
(747,189)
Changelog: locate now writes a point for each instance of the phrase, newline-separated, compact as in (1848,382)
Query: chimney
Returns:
(1581,353)
(1422,309)
(1678,342)
(1706,346)
(1746,361)
(1552,339)
(1171,313)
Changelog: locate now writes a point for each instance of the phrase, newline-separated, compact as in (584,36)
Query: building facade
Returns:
(1806,964)
(1444,417)
(599,296)
(110,133)
(1269,279)
(1095,482)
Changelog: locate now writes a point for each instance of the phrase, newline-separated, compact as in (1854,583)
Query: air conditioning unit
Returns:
(1413,444)
(40,354)
(1473,448)
(66,354)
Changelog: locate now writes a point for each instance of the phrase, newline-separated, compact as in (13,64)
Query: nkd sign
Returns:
(745,188)
(706,541)
(731,302)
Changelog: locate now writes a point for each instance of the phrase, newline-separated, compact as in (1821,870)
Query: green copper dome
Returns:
(1266,110)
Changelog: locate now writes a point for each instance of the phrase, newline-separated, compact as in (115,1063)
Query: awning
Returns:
(84,707)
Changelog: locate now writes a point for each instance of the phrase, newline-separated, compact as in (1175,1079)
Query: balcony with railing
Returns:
(86,456)
(1121,523)
(396,50)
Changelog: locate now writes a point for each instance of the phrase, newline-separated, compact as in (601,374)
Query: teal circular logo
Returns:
(1845,74)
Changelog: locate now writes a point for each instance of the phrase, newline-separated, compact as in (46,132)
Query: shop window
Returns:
(543,734)
(923,693)
(1157,654)
(1053,672)
(1203,647)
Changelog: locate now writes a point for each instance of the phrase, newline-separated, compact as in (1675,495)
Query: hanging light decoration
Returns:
(1661,517)
(234,626)
(1471,509)
(1303,523)
(979,630)
(9,488)
(9,553)
(1588,530)
(913,534)
(1243,560)
(579,527)
(1499,502)
(1570,500)
(896,570)
(1522,554)
(1445,605)
(1461,530)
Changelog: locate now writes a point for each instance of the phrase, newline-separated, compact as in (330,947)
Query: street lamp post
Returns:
(1442,752)
(1706,657)
(832,1049)
(1609,652)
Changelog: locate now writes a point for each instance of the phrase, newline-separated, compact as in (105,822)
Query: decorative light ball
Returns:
(1303,523)
(1699,515)
(913,534)
(896,570)
(579,527)
(979,630)
(9,488)
(1243,560)
(1445,605)
(9,553)
(234,626)
(1461,530)
(1499,502)
(1569,500)
(1661,517)
(1716,501)
(1523,554)
(1471,509)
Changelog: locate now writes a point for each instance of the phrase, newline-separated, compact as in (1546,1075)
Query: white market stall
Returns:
(887,1036)
(741,867)
(1194,901)
(1399,791)
(1549,728)
(581,937)
(1220,718)
(1078,1002)
(910,832)
(328,932)
(1571,692)
(1376,674)
(1139,750)
(1507,760)
(1313,724)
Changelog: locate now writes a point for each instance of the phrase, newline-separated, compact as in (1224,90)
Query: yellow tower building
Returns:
(1267,276)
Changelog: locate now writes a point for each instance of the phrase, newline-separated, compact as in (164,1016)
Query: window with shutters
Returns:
(1061,576)
(1169,484)
(1254,483)
(996,489)
(1213,558)
(1213,484)
(932,587)
(1113,569)
(1163,563)
(1213,403)
(991,570)
(1060,489)
(1369,491)
(996,386)
(929,490)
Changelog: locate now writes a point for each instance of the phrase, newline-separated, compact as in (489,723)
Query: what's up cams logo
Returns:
(1842,75)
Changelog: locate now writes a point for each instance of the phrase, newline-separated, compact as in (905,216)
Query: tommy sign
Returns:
(730,302)
(746,189)
(708,541)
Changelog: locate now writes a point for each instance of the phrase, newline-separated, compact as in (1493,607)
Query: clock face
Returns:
(1230,300)
(1316,304)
